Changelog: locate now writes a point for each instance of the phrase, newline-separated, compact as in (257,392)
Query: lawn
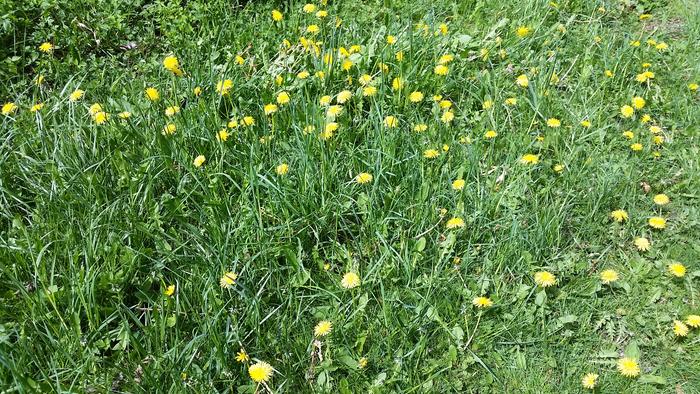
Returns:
(383,196)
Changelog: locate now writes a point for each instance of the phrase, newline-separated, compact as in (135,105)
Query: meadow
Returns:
(381,196)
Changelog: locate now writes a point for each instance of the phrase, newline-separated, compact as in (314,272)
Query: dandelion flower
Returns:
(350,280)
(223,87)
(415,97)
(522,81)
(276,15)
(558,168)
(36,107)
(628,367)
(9,108)
(391,121)
(677,270)
(636,147)
(458,184)
(680,329)
(628,134)
(124,115)
(455,222)
(657,222)
(170,290)
(222,135)
(309,8)
(482,302)
(626,111)
(661,199)
(197,91)
(270,109)
(199,160)
(76,95)
(46,47)
(362,363)
(172,110)
(589,381)
(431,153)
(323,328)
(100,117)
(369,91)
(638,102)
(173,65)
(553,123)
(152,94)
(490,134)
(609,276)
(242,356)
(522,31)
(545,279)
(343,96)
(282,169)
(260,372)
(642,244)
(585,123)
(693,321)
(441,69)
(397,83)
(619,215)
(530,159)
(282,98)
(364,177)
(228,280)
(169,129)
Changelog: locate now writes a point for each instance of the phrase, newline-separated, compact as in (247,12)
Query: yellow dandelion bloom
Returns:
(420,127)
(530,159)
(553,122)
(222,135)
(585,123)
(636,147)
(242,356)
(628,367)
(431,153)
(169,129)
(124,115)
(661,199)
(323,328)
(657,222)
(270,109)
(490,134)
(677,269)
(523,31)
(455,222)
(369,91)
(391,121)
(76,95)
(363,177)
(447,117)
(276,15)
(172,110)
(441,69)
(36,107)
(628,134)
(199,160)
(343,96)
(282,169)
(8,108)
(282,98)
(589,381)
(545,279)
(626,111)
(693,321)
(223,87)
(260,372)
(642,244)
(173,65)
(680,329)
(638,102)
(458,184)
(46,47)
(152,94)
(100,117)
(397,83)
(362,363)
(522,81)
(350,280)
(609,276)
(169,291)
(619,215)
(415,97)
(228,280)
(482,302)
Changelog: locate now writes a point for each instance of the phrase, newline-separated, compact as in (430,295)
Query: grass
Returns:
(96,221)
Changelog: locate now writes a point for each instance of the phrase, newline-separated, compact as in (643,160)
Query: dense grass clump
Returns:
(350,196)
